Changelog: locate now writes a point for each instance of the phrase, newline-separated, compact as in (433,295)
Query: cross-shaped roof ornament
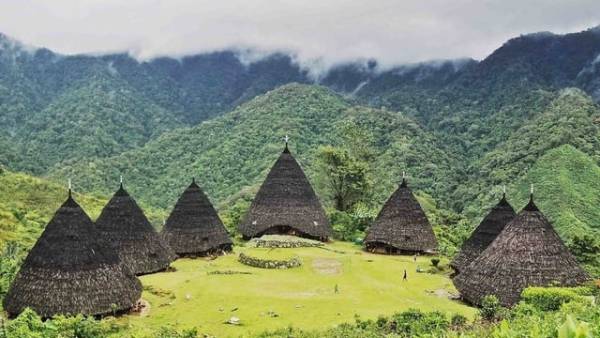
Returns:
(286,139)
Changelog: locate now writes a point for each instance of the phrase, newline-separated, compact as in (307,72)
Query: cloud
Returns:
(317,32)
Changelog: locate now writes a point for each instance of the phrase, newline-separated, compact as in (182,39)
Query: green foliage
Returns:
(171,332)
(458,320)
(414,323)
(574,329)
(351,225)
(10,260)
(587,250)
(490,308)
(551,299)
(29,325)
(347,178)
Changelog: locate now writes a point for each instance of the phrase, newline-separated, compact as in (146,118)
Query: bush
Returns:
(458,320)
(414,323)
(551,299)
(490,308)
(435,262)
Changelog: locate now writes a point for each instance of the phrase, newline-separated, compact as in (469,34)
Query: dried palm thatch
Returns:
(70,270)
(484,234)
(123,224)
(286,204)
(401,226)
(528,252)
(194,228)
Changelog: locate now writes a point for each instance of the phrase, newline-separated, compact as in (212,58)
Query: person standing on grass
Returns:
(405,278)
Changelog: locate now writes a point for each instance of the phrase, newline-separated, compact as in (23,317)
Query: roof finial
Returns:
(403,184)
(503,190)
(69,184)
(193,179)
(286,139)
(531,206)
(121,181)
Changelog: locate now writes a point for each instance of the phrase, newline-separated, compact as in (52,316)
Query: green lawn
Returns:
(368,285)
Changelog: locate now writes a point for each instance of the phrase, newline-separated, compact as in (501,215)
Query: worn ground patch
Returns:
(327,266)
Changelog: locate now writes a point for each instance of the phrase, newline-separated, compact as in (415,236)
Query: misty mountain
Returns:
(475,104)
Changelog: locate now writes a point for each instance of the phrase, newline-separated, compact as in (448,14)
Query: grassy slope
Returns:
(27,203)
(567,190)
(369,285)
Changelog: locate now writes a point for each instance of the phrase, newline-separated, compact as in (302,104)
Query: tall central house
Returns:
(286,204)
(401,226)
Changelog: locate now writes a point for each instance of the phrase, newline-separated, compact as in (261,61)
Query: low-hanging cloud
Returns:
(318,33)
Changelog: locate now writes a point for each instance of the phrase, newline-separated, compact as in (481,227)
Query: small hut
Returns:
(401,226)
(484,234)
(193,227)
(70,270)
(286,204)
(528,252)
(123,224)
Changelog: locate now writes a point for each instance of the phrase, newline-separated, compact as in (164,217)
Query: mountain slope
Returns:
(99,118)
(568,119)
(234,151)
(567,190)
(27,203)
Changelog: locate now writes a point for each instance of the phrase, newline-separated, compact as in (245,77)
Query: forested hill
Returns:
(56,107)
(233,152)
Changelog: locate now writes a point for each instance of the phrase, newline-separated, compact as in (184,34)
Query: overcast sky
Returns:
(393,32)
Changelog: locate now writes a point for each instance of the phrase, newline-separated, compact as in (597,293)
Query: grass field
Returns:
(367,285)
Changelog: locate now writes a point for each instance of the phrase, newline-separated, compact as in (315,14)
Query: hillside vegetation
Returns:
(233,152)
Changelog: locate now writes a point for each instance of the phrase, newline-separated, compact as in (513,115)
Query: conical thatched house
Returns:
(123,224)
(194,228)
(286,204)
(484,234)
(401,226)
(528,252)
(70,270)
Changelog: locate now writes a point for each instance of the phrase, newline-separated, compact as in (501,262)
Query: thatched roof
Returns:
(70,270)
(286,201)
(124,225)
(528,252)
(194,228)
(402,225)
(484,234)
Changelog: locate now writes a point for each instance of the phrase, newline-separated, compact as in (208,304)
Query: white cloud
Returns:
(318,32)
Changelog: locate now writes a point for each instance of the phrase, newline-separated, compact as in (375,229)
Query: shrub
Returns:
(458,320)
(435,262)
(414,323)
(551,299)
(490,307)
(574,329)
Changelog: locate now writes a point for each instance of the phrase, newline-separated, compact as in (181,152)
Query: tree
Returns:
(346,168)
(347,178)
